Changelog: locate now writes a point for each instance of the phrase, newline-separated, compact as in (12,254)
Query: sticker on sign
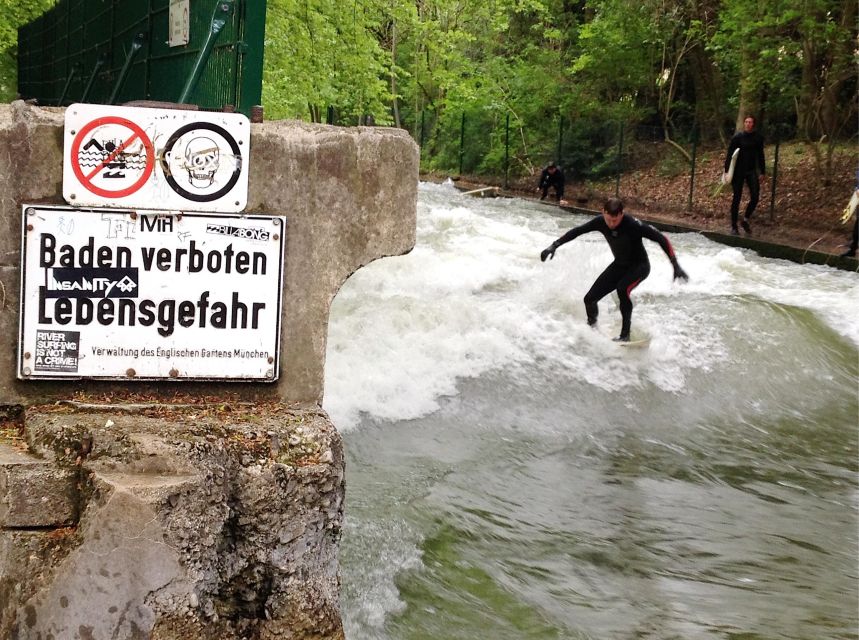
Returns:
(112,294)
(167,159)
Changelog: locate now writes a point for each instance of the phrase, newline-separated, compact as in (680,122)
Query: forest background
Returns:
(494,89)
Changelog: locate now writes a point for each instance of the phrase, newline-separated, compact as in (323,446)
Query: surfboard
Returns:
(725,178)
(729,175)
(640,340)
(850,209)
(607,333)
(641,343)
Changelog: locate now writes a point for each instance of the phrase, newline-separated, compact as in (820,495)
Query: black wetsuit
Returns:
(750,164)
(630,265)
(854,239)
(555,180)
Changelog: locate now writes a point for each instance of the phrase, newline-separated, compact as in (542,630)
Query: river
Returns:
(513,474)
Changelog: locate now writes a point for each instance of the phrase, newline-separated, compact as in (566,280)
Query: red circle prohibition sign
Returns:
(136,133)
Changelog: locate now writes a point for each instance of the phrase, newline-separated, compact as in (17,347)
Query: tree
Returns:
(826,105)
(320,54)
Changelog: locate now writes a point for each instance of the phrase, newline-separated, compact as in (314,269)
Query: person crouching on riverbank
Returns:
(553,177)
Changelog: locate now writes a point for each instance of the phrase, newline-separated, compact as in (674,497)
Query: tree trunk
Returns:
(709,95)
(827,75)
(750,93)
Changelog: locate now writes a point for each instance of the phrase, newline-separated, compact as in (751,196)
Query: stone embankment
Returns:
(799,250)
(158,522)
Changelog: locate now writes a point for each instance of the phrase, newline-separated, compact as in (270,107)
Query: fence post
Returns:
(461,142)
(72,73)
(99,63)
(774,179)
(249,89)
(219,19)
(136,45)
(506,149)
(619,163)
(692,176)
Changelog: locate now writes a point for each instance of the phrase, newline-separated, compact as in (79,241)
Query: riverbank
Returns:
(798,209)
(821,243)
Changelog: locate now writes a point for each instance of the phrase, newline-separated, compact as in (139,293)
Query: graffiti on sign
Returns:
(56,351)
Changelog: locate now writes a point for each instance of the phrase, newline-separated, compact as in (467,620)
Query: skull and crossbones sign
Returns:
(202,159)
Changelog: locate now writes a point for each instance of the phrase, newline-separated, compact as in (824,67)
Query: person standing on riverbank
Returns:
(631,265)
(749,166)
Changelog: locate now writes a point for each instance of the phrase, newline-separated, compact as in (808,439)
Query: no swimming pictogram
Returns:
(112,157)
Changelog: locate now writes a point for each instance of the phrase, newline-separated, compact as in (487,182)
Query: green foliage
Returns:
(566,73)
(617,51)
(15,13)
(320,53)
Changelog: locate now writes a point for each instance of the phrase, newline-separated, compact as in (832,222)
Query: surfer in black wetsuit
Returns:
(624,234)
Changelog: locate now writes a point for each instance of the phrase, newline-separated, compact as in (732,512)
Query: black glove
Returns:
(548,253)
(679,273)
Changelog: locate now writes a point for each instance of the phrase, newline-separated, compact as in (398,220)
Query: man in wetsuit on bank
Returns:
(624,234)
(750,165)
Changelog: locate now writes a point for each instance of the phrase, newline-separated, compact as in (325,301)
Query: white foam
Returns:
(383,549)
(473,296)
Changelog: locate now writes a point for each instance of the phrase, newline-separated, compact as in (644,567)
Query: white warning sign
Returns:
(161,159)
(111,294)
(180,23)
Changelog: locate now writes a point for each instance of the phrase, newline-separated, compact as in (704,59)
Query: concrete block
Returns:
(191,528)
(101,589)
(27,562)
(349,195)
(34,492)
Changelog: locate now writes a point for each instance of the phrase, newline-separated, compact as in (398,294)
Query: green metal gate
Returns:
(117,51)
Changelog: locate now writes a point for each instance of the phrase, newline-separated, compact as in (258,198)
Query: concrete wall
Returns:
(127,512)
(349,196)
